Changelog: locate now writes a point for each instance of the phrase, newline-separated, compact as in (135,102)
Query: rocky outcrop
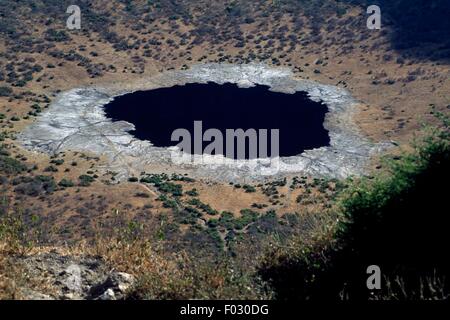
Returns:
(114,287)
(76,121)
(73,278)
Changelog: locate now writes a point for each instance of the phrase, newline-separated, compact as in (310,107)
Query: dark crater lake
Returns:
(157,113)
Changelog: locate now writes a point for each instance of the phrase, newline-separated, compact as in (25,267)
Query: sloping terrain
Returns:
(399,75)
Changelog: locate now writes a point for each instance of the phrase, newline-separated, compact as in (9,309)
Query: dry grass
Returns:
(11,246)
(159,275)
(9,273)
(431,288)
(12,275)
(173,275)
(380,116)
(394,114)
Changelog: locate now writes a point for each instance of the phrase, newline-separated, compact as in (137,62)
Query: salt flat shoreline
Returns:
(76,121)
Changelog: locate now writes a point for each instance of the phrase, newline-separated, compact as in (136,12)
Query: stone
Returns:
(70,278)
(108,295)
(29,294)
(73,279)
(70,296)
(124,281)
(118,282)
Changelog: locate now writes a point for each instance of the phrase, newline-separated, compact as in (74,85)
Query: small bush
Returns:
(66,183)
(249,189)
(192,193)
(85,180)
(11,166)
(395,221)
(5,91)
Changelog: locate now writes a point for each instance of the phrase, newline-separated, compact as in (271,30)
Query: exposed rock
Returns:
(108,295)
(318,61)
(115,286)
(28,294)
(72,281)
(76,121)
(72,278)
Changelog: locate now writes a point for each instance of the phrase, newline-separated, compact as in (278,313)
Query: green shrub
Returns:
(249,189)
(11,166)
(85,180)
(212,223)
(57,162)
(167,203)
(51,169)
(205,207)
(66,183)
(35,186)
(142,195)
(5,91)
(192,193)
(168,187)
(247,216)
(396,220)
(56,35)
(226,220)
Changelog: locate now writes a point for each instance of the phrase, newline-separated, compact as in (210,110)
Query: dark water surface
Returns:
(157,113)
